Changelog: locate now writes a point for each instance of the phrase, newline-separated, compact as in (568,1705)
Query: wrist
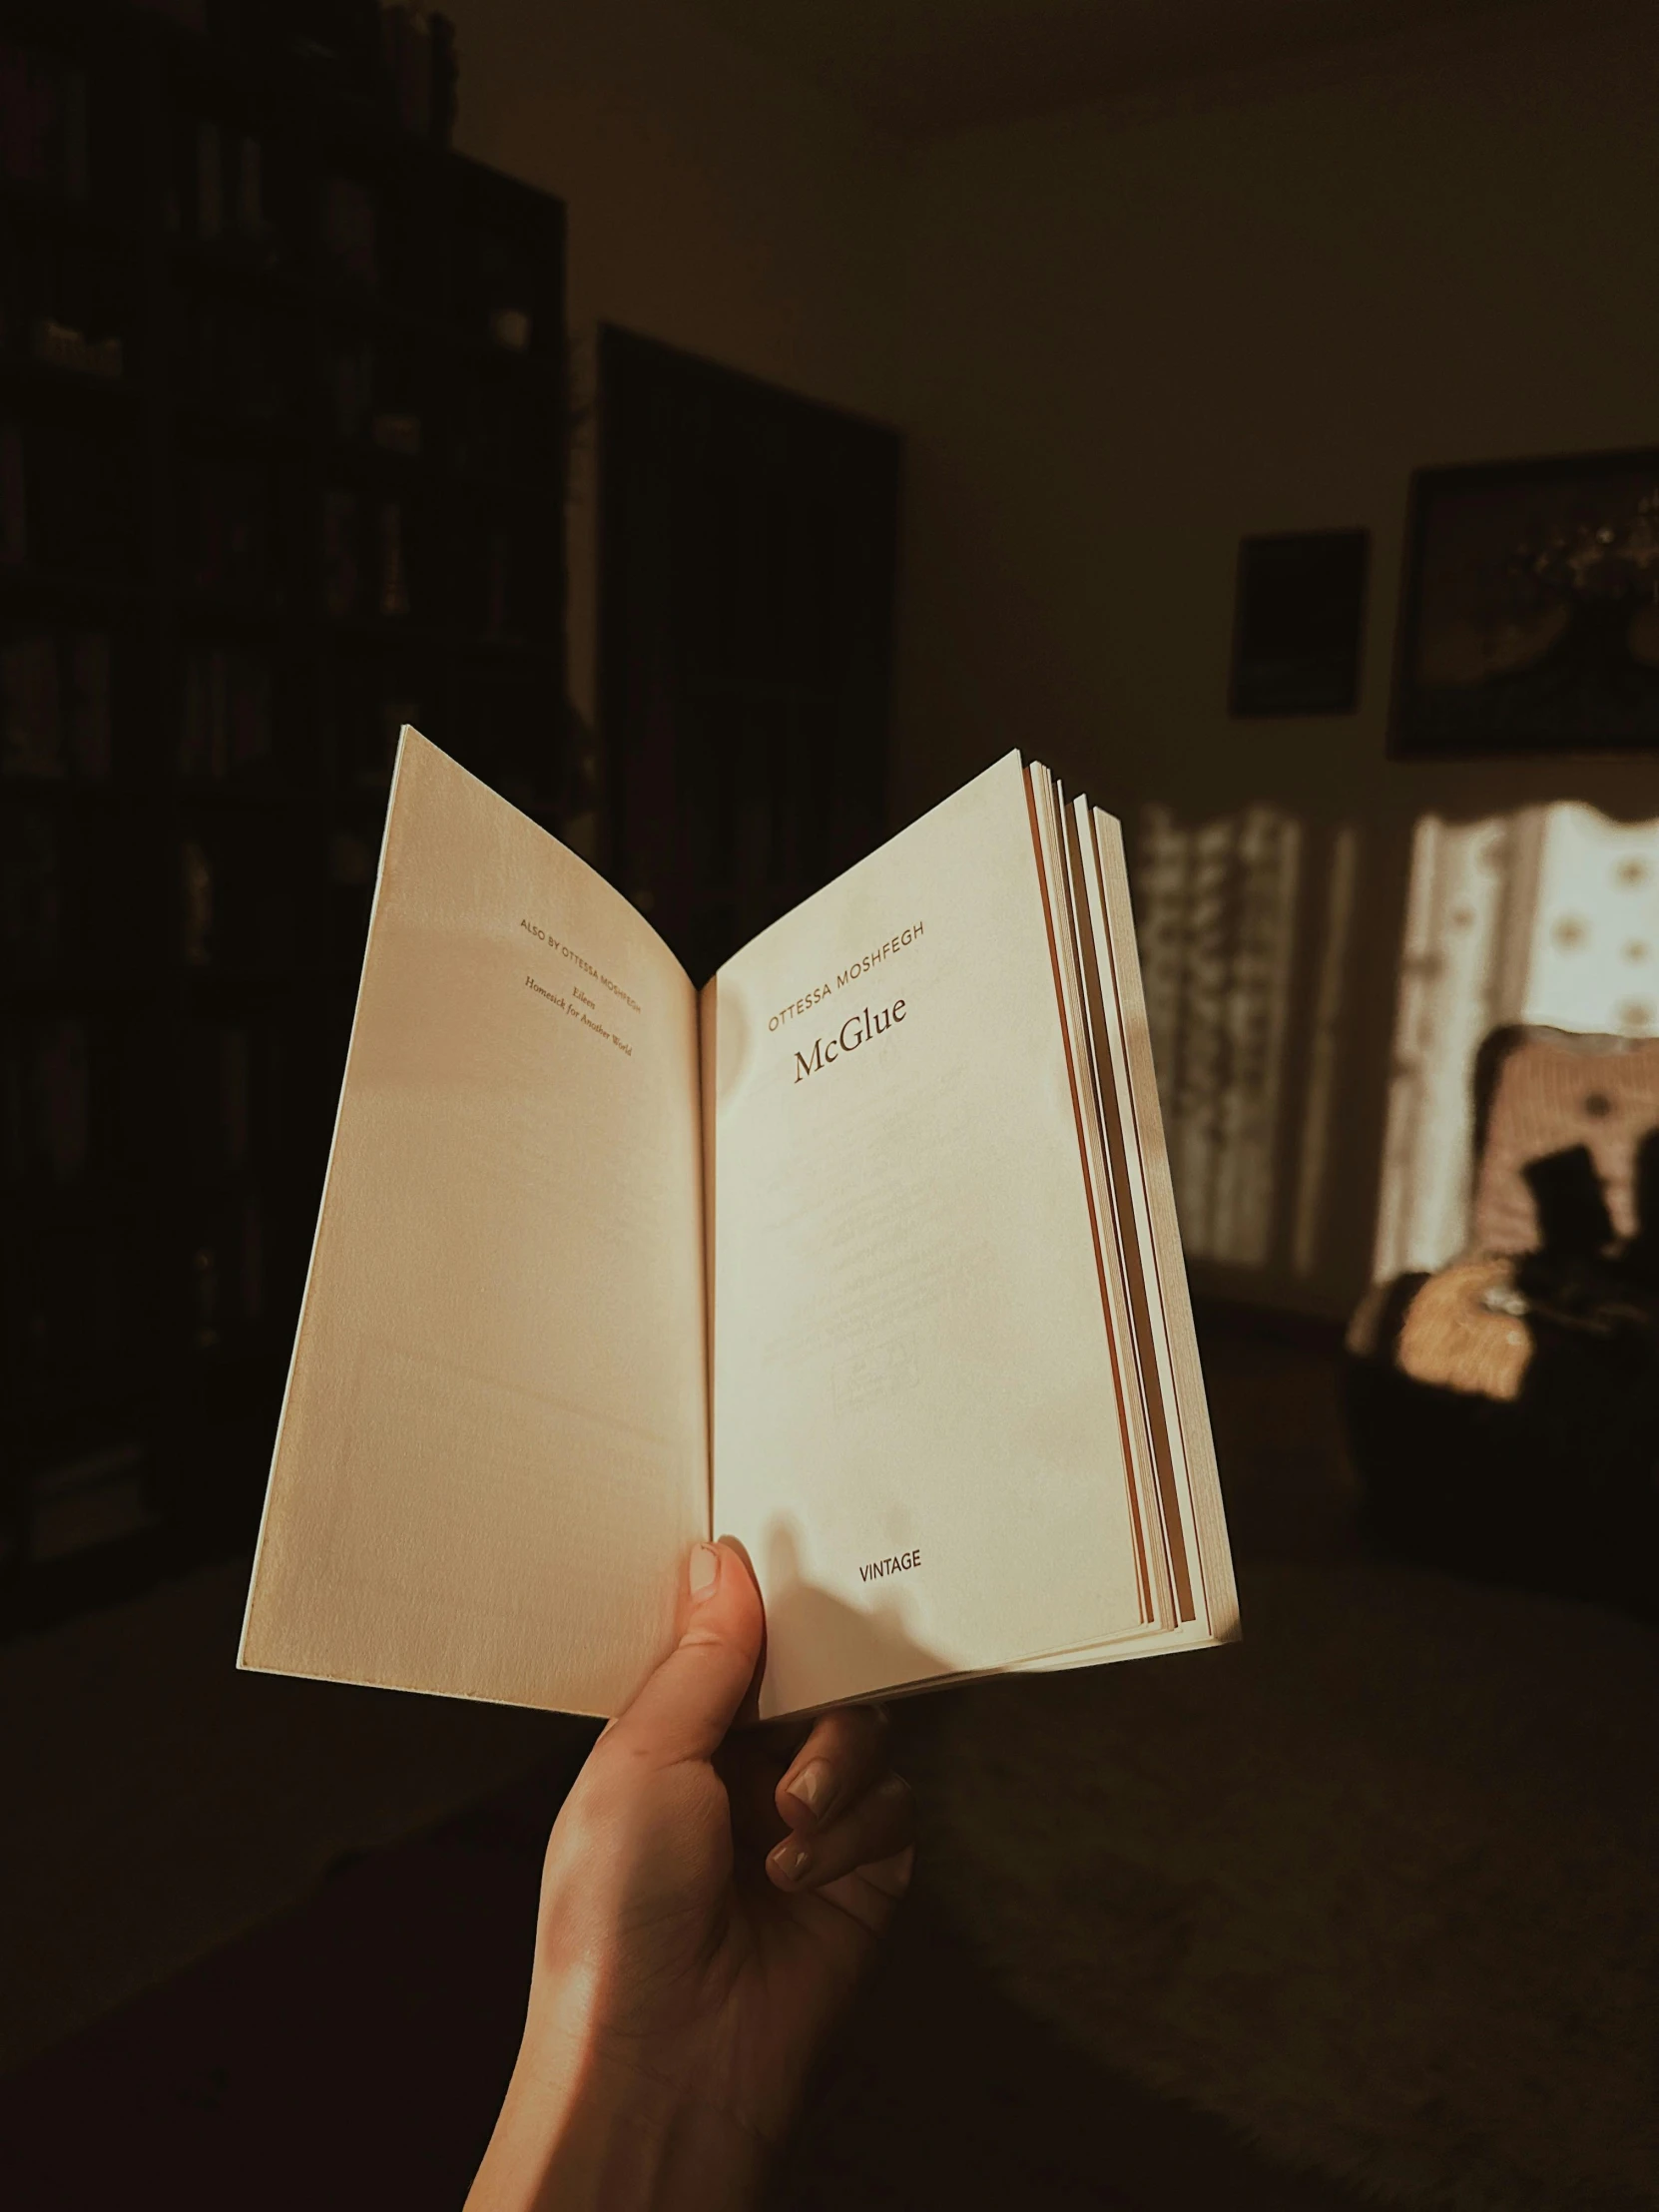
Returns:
(581,2129)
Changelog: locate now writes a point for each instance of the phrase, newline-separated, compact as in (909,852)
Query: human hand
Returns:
(708,1903)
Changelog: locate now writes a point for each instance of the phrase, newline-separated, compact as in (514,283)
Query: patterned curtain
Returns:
(1548,918)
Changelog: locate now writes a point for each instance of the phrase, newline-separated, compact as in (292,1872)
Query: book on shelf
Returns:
(237,901)
(55,706)
(196,903)
(226,1275)
(234,360)
(98,1498)
(61,345)
(351,389)
(226,725)
(76,494)
(350,231)
(14,512)
(43,122)
(31,717)
(32,898)
(210,182)
(48,1100)
(228,512)
(89,721)
(406,58)
(418,69)
(393,601)
(341,554)
(218,1095)
(863,1254)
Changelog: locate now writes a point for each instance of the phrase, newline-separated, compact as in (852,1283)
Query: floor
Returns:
(352,2051)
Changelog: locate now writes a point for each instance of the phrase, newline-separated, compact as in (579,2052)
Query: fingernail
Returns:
(705,1571)
(812,1785)
(790,1859)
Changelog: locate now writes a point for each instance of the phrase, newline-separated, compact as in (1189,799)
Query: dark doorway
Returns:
(747,568)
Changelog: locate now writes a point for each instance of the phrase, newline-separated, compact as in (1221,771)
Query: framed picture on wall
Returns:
(1297,619)
(1529,613)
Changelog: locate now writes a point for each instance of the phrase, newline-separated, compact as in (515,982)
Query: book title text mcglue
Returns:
(855,1032)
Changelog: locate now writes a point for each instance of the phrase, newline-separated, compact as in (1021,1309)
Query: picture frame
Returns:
(1297,623)
(1529,609)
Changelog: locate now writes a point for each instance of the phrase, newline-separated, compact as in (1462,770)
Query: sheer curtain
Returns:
(1547,917)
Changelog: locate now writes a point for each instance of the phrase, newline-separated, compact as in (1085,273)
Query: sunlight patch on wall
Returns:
(1218,903)
(1319,1101)
(1547,917)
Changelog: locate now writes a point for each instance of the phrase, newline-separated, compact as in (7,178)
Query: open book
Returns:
(865,1255)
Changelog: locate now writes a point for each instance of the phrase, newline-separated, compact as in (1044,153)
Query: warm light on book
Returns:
(865,1256)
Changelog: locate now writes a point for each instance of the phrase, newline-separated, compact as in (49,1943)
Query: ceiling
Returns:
(919,68)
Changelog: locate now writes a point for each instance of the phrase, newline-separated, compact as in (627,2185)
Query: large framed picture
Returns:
(1529,618)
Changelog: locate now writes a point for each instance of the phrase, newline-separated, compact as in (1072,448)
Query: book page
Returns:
(493,1455)
(917,1436)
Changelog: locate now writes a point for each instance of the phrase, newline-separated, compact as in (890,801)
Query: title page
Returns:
(918,1427)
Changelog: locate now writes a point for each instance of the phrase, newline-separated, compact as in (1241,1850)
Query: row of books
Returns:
(418,69)
(44,136)
(375,563)
(362,718)
(399,54)
(55,708)
(84,896)
(227,1274)
(76,1504)
(65,302)
(218,193)
(227,726)
(74,892)
(106,1094)
(55,720)
(237,359)
(494,436)
(245,361)
(222,192)
(45,131)
(494,286)
(56,689)
(83,1300)
(46,1085)
(375,399)
(365,557)
(65,499)
(380,396)
(238,899)
(221,198)
(65,504)
(228,520)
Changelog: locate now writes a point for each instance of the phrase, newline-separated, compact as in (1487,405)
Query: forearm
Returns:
(580,2135)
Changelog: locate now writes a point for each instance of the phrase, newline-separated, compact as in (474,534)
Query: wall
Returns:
(1134,335)
(711,202)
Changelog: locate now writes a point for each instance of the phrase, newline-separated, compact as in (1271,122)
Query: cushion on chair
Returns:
(1543,1091)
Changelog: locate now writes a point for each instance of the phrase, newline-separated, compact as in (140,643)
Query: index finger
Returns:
(844,1755)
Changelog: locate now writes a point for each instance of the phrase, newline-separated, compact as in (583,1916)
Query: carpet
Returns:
(353,2053)
(1377,1886)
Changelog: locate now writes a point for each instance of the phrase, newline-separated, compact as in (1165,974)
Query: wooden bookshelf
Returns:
(283,418)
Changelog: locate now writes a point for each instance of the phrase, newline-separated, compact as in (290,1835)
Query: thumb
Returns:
(688,1703)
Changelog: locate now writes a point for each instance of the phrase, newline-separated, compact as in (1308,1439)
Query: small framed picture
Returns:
(1297,623)
(1529,613)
